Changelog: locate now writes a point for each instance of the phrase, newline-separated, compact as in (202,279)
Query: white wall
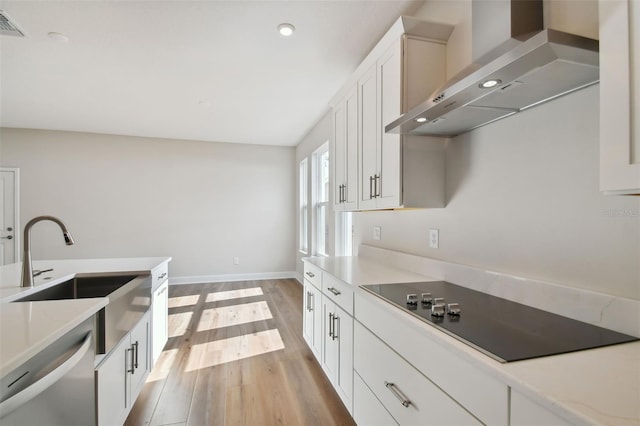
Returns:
(202,203)
(523,199)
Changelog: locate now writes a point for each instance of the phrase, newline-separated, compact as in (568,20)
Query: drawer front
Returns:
(408,395)
(313,274)
(159,275)
(525,412)
(367,410)
(480,393)
(338,291)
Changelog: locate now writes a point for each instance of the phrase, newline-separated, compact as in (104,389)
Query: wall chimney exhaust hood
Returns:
(529,66)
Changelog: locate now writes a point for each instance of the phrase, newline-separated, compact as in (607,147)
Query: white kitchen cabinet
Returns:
(159,311)
(367,409)
(409,396)
(368,138)
(312,318)
(481,394)
(619,97)
(337,349)
(122,373)
(159,320)
(345,155)
(525,412)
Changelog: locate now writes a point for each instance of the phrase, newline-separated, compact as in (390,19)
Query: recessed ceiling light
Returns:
(490,83)
(58,37)
(421,120)
(286,30)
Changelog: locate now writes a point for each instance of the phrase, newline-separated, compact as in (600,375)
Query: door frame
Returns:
(16,210)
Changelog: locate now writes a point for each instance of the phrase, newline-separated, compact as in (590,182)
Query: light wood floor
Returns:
(236,356)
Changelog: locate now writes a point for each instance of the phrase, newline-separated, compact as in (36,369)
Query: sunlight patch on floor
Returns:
(234,294)
(233,349)
(179,301)
(163,366)
(233,315)
(179,323)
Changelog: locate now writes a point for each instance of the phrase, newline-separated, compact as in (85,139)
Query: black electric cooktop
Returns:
(505,330)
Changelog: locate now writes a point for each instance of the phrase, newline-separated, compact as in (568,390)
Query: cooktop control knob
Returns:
(453,308)
(437,310)
(412,299)
(427,298)
(438,300)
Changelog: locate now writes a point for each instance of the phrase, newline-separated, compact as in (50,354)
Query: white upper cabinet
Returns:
(345,122)
(620,97)
(392,171)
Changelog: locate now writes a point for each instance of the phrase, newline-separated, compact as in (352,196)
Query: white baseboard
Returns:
(202,279)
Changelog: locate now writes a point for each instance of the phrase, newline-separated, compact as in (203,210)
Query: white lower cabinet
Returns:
(121,375)
(367,409)
(312,318)
(159,320)
(337,349)
(525,412)
(408,395)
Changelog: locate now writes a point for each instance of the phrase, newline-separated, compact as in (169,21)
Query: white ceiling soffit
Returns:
(198,70)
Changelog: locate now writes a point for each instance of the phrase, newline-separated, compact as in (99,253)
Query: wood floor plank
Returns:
(255,370)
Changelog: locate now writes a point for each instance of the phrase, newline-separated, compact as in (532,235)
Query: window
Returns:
(303,235)
(321,200)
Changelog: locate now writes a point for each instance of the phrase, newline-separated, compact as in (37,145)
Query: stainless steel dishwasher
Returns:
(56,386)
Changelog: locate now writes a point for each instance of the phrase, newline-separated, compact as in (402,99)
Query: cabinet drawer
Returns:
(367,410)
(338,291)
(159,275)
(479,392)
(313,274)
(409,396)
(525,412)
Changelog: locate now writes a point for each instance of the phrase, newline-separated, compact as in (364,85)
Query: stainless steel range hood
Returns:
(529,70)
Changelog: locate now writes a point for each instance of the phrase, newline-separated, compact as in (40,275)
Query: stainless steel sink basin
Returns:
(80,288)
(129,298)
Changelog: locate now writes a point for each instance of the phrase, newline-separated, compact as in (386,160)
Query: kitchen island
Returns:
(29,327)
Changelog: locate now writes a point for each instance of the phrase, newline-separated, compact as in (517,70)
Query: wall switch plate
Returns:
(236,260)
(376,232)
(434,239)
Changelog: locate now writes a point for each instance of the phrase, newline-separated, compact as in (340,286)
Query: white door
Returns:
(9,218)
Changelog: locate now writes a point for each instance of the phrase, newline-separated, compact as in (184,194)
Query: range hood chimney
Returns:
(517,64)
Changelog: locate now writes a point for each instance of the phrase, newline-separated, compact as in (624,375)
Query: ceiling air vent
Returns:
(9,27)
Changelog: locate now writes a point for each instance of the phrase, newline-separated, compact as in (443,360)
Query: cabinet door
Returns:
(343,331)
(389,151)
(308,317)
(139,352)
(368,138)
(159,321)
(316,306)
(619,97)
(339,155)
(367,410)
(330,346)
(351,173)
(111,384)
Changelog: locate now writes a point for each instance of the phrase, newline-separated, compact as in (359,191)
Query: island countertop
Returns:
(29,327)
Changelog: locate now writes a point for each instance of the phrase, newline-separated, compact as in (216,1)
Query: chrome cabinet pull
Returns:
(334,291)
(370,187)
(335,335)
(310,274)
(376,192)
(330,325)
(309,295)
(396,392)
(164,274)
(133,369)
(8,237)
(135,364)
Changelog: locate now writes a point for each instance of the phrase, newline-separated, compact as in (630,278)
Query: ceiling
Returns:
(198,70)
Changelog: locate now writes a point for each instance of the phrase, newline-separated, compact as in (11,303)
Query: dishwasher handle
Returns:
(29,393)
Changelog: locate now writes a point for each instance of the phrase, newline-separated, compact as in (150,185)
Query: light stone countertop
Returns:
(596,386)
(26,328)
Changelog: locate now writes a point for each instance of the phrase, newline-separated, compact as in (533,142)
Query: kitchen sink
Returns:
(129,299)
(80,288)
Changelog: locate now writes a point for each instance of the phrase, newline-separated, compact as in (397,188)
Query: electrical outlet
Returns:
(434,239)
(377,233)
(236,260)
